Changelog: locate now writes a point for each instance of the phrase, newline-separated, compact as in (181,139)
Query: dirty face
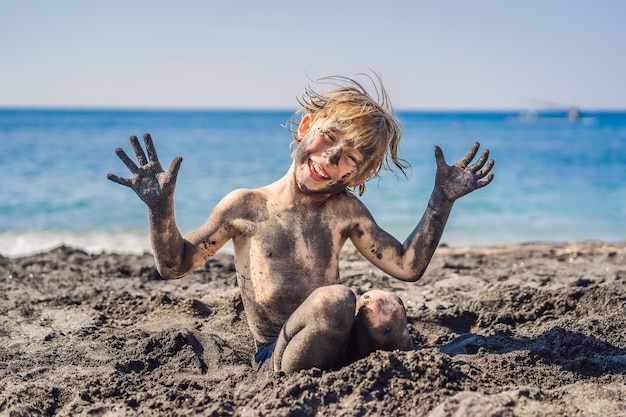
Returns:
(326,159)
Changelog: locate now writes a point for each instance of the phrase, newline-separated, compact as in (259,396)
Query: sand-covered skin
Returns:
(525,330)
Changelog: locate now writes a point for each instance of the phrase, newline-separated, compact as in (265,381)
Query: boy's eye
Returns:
(325,135)
(353,159)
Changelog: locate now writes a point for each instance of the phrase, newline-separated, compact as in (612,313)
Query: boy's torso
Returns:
(284,253)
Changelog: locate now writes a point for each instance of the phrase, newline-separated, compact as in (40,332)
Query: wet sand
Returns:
(523,330)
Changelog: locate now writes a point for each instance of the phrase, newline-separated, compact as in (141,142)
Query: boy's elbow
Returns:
(412,275)
(413,278)
(170,272)
(407,277)
(171,275)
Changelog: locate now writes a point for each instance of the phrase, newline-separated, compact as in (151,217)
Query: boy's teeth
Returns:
(317,169)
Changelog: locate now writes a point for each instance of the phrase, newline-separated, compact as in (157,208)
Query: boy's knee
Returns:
(334,305)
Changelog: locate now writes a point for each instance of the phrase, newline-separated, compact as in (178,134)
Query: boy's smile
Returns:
(317,172)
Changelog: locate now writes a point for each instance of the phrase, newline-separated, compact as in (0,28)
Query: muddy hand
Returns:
(151,183)
(462,178)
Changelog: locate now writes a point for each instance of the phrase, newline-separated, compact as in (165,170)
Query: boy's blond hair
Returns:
(369,122)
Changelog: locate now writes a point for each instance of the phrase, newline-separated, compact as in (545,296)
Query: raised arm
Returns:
(175,256)
(409,260)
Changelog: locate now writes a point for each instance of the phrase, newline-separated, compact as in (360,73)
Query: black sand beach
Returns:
(523,330)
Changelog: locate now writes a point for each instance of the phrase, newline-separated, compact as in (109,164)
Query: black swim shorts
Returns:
(262,360)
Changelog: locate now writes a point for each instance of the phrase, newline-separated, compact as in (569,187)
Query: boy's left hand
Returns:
(462,178)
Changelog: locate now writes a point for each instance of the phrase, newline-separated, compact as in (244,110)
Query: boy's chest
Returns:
(292,242)
(291,233)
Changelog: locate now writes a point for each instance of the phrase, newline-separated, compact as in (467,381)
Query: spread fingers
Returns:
(127,161)
(481,161)
(484,171)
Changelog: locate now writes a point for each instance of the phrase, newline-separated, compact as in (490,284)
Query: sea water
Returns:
(557,179)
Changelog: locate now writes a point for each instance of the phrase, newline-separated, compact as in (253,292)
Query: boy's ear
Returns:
(304,126)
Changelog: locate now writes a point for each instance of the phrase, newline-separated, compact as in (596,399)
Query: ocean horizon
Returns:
(558,179)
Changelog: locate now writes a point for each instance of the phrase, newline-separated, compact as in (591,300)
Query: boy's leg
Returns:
(316,334)
(380,324)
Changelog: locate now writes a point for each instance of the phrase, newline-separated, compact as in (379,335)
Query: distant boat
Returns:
(568,115)
(573,114)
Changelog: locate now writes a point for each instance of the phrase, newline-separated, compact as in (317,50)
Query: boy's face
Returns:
(326,159)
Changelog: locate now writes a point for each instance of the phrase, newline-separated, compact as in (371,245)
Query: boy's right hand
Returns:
(151,183)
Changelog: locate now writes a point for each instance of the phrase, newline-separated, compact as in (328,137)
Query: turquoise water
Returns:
(556,179)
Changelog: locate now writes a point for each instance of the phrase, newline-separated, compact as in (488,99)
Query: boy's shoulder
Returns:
(241,200)
(246,196)
(349,204)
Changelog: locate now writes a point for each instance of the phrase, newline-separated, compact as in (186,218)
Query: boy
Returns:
(287,236)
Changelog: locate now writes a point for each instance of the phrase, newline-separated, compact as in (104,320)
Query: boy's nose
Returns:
(334,155)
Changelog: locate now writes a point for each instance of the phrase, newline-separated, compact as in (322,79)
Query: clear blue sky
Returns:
(494,54)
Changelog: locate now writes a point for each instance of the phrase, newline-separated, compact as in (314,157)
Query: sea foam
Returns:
(22,243)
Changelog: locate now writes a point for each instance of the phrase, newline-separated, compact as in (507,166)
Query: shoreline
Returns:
(25,243)
(523,329)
